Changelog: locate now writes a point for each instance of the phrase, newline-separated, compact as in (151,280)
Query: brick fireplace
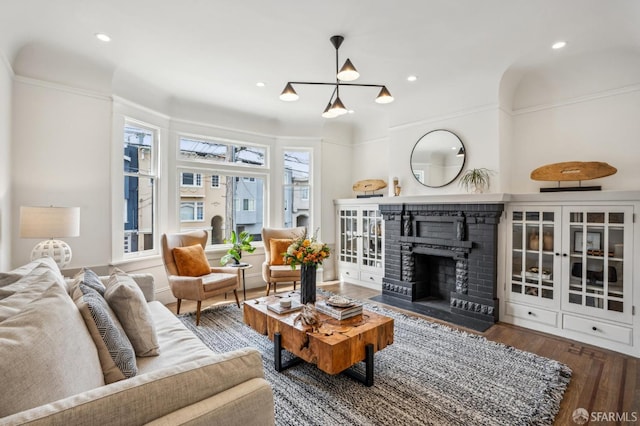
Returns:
(441,260)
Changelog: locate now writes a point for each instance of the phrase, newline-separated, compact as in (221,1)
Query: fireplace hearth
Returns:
(441,261)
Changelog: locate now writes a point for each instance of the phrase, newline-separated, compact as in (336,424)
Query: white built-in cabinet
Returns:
(360,244)
(569,272)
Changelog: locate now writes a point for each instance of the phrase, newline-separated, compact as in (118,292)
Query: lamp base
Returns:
(58,250)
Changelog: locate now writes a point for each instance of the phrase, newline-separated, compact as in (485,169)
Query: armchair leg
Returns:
(178,308)
(198,312)
(294,286)
(268,288)
(235,293)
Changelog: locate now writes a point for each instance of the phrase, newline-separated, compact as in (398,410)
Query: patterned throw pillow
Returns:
(89,278)
(127,301)
(117,357)
(278,246)
(191,261)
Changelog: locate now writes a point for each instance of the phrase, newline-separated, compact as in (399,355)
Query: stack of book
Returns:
(339,313)
(275,307)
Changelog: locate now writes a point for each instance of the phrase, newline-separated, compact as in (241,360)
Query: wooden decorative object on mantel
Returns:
(368,186)
(573,171)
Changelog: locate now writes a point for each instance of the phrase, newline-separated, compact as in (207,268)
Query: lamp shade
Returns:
(384,97)
(338,107)
(49,222)
(289,94)
(348,72)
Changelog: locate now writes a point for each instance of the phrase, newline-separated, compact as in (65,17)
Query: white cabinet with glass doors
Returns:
(569,271)
(360,245)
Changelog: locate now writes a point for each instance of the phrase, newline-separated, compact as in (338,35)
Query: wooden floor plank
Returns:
(602,380)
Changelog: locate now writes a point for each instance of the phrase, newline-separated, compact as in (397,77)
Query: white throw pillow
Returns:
(46,353)
(128,302)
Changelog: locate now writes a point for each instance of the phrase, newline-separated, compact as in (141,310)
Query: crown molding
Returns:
(7,65)
(456,114)
(119,100)
(62,88)
(577,100)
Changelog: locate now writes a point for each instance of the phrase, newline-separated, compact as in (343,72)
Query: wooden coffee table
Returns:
(337,346)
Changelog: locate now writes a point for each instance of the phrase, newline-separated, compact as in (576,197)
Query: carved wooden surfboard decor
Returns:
(369,185)
(573,170)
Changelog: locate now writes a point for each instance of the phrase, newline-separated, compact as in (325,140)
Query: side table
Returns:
(243,267)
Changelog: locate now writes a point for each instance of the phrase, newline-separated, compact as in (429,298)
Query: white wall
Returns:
(601,128)
(60,156)
(477,129)
(5,164)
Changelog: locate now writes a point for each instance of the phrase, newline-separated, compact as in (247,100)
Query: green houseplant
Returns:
(475,180)
(239,243)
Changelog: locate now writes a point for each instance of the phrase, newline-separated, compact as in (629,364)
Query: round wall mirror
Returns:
(438,158)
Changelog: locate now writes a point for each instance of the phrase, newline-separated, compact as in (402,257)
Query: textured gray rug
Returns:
(432,374)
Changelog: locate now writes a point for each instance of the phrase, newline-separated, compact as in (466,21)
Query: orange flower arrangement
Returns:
(306,251)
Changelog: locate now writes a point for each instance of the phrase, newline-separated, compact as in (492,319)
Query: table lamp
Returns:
(50,222)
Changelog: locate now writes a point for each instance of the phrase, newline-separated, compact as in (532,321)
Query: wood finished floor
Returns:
(602,380)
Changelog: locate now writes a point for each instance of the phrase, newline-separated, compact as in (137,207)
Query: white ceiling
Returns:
(214,52)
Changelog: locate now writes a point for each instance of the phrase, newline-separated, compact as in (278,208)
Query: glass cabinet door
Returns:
(598,243)
(372,229)
(348,235)
(535,259)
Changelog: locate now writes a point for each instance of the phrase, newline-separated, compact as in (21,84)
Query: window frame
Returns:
(197,180)
(198,210)
(153,175)
(248,172)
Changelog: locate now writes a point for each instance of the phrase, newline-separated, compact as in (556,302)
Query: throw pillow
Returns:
(117,357)
(47,353)
(279,246)
(191,261)
(89,278)
(127,301)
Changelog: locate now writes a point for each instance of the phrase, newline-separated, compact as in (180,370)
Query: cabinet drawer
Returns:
(349,274)
(532,314)
(370,278)
(595,328)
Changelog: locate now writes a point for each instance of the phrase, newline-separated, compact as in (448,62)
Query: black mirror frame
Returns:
(464,160)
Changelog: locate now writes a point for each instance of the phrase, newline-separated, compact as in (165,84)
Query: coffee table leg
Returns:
(367,378)
(277,355)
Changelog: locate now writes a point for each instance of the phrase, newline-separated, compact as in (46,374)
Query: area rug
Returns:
(430,375)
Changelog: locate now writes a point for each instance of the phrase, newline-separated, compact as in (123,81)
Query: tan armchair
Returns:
(273,274)
(218,281)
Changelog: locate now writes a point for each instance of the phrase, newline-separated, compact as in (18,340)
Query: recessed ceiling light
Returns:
(350,111)
(412,78)
(260,84)
(558,45)
(103,37)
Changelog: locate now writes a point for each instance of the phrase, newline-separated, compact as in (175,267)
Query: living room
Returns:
(486,72)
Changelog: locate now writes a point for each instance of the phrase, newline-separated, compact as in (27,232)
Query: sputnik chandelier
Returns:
(347,73)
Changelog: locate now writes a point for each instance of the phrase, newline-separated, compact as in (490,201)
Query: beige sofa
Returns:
(51,374)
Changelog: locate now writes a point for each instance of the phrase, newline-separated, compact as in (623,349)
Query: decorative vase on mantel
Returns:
(307,284)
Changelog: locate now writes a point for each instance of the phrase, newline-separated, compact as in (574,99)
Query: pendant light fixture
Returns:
(347,73)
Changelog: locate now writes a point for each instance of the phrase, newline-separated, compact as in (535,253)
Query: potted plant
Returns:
(239,243)
(475,180)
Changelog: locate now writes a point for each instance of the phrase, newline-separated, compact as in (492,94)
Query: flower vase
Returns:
(308,284)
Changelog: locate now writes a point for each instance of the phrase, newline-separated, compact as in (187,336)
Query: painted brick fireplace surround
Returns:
(441,260)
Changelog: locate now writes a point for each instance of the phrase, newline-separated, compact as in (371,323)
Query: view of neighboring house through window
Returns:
(139,187)
(297,203)
(226,192)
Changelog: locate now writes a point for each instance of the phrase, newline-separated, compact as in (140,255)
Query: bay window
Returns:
(231,189)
